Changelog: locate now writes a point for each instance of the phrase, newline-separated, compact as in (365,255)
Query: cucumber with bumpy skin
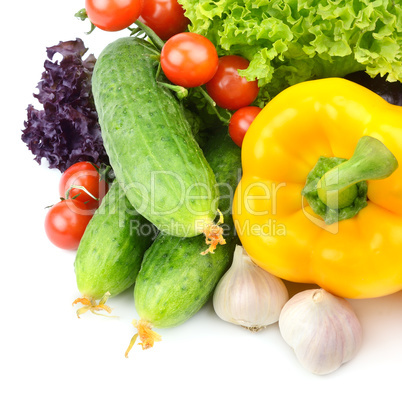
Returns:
(111,250)
(175,279)
(149,141)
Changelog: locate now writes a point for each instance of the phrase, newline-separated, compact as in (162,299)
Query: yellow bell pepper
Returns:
(289,153)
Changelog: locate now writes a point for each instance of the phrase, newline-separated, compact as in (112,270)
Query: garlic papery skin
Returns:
(322,329)
(249,296)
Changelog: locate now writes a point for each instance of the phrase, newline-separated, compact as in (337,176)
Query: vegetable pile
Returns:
(218,191)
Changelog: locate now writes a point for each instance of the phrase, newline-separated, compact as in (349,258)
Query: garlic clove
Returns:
(322,329)
(249,296)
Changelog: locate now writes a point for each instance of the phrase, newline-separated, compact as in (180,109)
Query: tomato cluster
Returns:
(191,60)
(165,17)
(81,189)
(187,59)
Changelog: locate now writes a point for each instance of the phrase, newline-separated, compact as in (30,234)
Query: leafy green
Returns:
(289,41)
(66,129)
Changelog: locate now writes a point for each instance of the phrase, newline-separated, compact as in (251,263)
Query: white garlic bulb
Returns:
(249,296)
(322,329)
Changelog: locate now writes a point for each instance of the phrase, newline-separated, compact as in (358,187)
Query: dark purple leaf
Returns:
(66,130)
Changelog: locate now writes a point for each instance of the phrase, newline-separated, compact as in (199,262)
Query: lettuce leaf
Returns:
(289,41)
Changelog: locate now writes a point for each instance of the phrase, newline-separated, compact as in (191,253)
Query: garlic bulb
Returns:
(322,329)
(247,295)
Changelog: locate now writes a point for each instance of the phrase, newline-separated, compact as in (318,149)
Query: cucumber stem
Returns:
(214,235)
(130,346)
(91,305)
(147,336)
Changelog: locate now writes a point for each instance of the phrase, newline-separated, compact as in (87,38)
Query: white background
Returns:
(50,355)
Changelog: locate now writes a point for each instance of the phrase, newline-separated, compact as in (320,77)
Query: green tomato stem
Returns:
(372,160)
(156,40)
(181,92)
(80,188)
(213,104)
(82,15)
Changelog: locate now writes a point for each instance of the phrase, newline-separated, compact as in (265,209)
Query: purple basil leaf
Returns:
(66,130)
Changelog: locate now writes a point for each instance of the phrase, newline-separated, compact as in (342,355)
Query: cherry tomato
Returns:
(65,223)
(83,174)
(189,59)
(240,122)
(227,88)
(165,17)
(113,15)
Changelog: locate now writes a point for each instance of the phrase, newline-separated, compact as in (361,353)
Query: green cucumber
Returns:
(149,141)
(175,280)
(111,250)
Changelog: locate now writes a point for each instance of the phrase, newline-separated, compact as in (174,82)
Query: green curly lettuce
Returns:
(289,41)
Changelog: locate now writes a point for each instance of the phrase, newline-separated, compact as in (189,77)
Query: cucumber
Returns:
(111,250)
(175,280)
(149,141)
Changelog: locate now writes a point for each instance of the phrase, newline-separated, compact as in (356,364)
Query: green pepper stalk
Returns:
(336,189)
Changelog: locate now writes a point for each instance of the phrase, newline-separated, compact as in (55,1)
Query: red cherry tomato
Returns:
(227,88)
(65,223)
(189,59)
(165,17)
(241,121)
(83,174)
(113,15)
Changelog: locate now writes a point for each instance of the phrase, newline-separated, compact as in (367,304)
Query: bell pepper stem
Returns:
(372,160)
